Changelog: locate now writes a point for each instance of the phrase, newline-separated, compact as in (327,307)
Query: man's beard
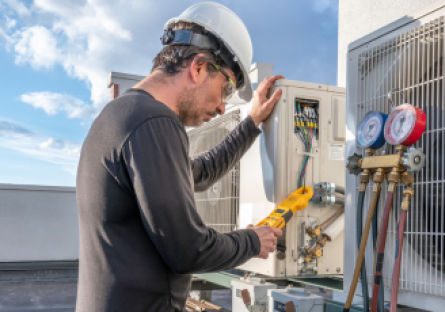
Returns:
(190,107)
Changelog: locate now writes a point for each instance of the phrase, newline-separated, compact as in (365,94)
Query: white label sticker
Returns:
(337,152)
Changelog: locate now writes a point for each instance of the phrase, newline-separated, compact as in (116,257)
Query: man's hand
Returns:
(262,105)
(268,239)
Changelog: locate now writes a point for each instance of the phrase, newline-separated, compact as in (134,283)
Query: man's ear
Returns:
(198,69)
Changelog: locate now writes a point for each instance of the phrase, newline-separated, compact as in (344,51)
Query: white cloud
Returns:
(52,143)
(91,38)
(322,5)
(10,22)
(8,128)
(37,46)
(53,103)
(18,7)
(19,138)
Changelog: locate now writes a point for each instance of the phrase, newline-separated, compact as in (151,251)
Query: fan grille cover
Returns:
(218,206)
(412,62)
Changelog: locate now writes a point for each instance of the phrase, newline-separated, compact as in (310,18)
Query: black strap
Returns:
(204,41)
(188,37)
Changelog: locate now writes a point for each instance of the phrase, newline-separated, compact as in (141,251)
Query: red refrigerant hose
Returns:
(380,250)
(407,194)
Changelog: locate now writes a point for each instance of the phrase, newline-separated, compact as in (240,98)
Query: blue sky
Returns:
(55,56)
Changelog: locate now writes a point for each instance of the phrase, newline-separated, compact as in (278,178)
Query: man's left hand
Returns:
(262,105)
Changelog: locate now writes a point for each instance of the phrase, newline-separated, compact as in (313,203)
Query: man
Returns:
(140,235)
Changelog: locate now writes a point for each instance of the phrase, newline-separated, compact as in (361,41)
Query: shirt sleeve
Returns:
(156,156)
(213,165)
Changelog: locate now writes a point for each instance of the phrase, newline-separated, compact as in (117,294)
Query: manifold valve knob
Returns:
(353,164)
(414,160)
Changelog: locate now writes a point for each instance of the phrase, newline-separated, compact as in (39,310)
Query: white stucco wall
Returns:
(358,18)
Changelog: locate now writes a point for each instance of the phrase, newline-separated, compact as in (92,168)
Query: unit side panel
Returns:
(260,181)
(350,251)
(332,169)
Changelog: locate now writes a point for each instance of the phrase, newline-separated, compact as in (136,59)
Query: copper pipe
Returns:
(408,193)
(332,218)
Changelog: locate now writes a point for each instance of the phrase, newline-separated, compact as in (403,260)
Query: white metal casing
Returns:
(269,173)
(257,290)
(303,301)
(407,54)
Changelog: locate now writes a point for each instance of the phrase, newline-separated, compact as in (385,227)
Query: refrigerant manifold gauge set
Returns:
(402,128)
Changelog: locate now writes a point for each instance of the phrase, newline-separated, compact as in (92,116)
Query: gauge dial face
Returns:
(400,124)
(370,129)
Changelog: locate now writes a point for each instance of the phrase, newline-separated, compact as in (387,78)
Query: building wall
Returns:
(121,82)
(38,223)
(358,18)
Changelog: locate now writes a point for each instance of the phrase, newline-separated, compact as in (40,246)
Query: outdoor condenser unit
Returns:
(269,172)
(407,55)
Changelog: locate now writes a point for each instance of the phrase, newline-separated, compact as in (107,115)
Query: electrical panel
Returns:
(299,146)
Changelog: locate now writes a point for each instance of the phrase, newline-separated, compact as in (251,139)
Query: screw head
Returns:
(338,270)
(327,270)
(417,160)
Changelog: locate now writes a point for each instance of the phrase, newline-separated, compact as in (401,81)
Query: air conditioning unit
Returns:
(407,55)
(219,205)
(271,169)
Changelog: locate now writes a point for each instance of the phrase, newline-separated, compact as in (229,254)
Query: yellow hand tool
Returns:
(298,200)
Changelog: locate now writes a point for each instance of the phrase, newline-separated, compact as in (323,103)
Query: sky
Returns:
(55,57)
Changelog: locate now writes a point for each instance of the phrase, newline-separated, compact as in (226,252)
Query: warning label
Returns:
(337,152)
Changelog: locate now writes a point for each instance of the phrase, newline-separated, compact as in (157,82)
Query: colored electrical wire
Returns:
(308,145)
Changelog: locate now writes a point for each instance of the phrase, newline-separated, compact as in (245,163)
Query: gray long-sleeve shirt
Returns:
(140,234)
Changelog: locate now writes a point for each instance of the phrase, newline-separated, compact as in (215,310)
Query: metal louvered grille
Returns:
(414,63)
(218,206)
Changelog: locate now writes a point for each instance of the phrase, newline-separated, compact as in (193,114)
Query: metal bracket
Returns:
(305,154)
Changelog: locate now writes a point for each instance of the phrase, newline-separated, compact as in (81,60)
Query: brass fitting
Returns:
(406,178)
(408,193)
(314,232)
(369,152)
(378,176)
(401,149)
(394,175)
(315,252)
(364,177)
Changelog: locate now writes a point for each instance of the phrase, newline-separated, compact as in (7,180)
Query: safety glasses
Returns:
(229,87)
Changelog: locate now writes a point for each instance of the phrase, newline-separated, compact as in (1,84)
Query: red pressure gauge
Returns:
(405,125)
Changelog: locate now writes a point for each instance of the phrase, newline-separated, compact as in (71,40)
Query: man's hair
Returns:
(172,59)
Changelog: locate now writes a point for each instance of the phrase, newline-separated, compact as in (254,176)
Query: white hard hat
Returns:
(228,28)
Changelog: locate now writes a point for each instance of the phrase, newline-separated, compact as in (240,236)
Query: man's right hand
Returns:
(268,239)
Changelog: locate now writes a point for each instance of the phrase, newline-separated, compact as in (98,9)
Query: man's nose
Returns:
(221,108)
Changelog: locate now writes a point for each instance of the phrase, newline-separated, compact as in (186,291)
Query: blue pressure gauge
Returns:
(370,131)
